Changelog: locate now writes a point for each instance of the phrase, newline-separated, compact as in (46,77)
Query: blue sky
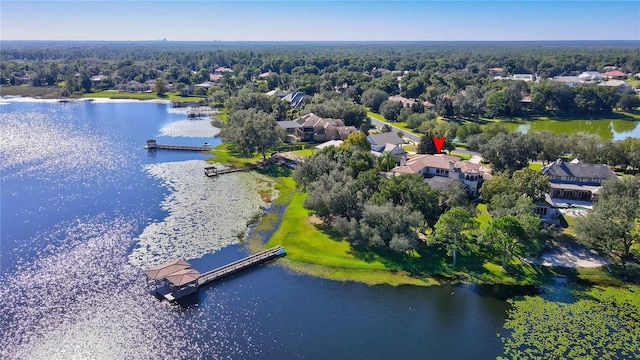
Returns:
(296,20)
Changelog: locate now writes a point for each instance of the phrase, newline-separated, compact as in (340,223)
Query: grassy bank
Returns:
(114,94)
(224,154)
(316,249)
(51,92)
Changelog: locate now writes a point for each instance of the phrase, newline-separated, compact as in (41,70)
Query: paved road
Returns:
(408,135)
(475,156)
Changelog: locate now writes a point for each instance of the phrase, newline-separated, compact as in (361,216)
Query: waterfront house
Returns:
(311,127)
(452,167)
(575,180)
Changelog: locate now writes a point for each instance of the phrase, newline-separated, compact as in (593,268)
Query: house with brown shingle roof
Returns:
(311,127)
(452,167)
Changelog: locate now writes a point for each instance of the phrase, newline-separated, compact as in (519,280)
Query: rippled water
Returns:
(190,128)
(85,209)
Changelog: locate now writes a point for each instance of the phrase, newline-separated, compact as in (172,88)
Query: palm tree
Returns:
(387,161)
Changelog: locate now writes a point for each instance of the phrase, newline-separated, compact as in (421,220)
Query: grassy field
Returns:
(462,156)
(535,166)
(224,154)
(483,216)
(115,94)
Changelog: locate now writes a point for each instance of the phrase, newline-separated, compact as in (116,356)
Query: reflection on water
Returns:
(607,129)
(47,144)
(190,128)
(83,301)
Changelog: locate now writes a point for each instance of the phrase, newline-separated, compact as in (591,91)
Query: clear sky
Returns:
(295,20)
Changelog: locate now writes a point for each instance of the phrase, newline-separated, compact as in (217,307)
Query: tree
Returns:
(410,190)
(357,140)
(373,98)
(386,161)
(390,110)
(613,222)
(505,234)
(159,87)
(426,145)
(628,102)
(452,231)
(470,103)
(466,130)
(252,131)
(509,151)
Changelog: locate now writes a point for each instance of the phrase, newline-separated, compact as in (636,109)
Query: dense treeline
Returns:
(455,77)
(513,151)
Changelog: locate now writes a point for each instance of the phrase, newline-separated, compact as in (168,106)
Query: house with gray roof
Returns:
(379,141)
(295,99)
(590,77)
(622,86)
(576,180)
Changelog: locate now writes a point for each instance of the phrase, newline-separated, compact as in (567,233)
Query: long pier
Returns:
(241,264)
(152,145)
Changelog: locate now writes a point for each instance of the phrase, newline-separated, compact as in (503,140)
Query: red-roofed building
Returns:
(615,74)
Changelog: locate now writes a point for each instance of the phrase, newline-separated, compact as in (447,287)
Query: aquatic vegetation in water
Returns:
(602,323)
(203,214)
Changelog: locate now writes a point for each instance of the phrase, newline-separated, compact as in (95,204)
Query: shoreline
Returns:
(20,98)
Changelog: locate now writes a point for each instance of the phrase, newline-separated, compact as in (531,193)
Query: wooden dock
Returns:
(176,279)
(241,264)
(211,171)
(153,145)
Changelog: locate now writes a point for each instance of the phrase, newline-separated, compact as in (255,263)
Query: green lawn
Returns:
(535,166)
(376,115)
(224,154)
(462,156)
(115,94)
(304,152)
(483,216)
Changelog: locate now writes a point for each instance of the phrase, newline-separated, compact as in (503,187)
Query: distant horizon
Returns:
(320,21)
(323,41)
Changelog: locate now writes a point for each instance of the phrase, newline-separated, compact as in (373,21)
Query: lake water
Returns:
(85,209)
(613,129)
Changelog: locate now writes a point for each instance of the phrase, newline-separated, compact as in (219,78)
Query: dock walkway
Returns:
(241,264)
(152,145)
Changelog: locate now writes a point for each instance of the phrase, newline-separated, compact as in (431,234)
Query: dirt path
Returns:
(571,256)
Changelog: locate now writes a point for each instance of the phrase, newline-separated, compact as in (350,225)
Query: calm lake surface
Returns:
(612,129)
(85,209)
